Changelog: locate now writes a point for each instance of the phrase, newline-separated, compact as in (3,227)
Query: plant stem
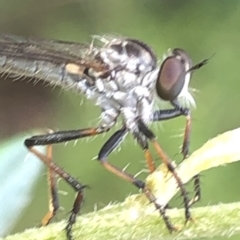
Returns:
(129,221)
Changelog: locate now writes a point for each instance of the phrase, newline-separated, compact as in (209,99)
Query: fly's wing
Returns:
(57,62)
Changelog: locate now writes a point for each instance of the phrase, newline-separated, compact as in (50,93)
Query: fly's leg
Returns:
(59,137)
(112,143)
(149,134)
(53,204)
(161,115)
(185,150)
(166,114)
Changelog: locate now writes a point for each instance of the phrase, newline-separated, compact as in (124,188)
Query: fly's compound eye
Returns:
(183,57)
(171,77)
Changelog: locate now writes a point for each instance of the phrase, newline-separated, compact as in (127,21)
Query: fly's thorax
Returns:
(130,115)
(138,103)
(109,117)
(128,85)
(130,54)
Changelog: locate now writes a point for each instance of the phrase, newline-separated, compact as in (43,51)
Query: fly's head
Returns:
(174,76)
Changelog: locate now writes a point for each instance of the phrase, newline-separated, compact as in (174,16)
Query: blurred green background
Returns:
(200,27)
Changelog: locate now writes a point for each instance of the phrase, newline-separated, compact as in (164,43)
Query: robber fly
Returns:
(122,76)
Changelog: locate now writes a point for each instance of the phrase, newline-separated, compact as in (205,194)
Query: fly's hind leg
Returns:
(53,204)
(54,169)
